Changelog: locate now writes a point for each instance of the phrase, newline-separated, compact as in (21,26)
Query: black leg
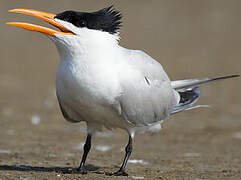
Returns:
(121,171)
(87,147)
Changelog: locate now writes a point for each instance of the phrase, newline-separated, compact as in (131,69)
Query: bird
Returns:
(106,85)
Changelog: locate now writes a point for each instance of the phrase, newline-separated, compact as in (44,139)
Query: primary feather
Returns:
(183,84)
(189,91)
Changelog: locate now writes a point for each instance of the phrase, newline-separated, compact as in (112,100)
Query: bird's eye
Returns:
(66,19)
(82,23)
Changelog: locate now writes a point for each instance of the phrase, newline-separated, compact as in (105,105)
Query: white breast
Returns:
(88,92)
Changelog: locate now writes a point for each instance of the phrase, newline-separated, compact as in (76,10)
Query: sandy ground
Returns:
(190,38)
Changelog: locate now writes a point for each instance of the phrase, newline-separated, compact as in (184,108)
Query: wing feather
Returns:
(147,97)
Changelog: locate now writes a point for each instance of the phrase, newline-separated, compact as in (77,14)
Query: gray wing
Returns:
(147,97)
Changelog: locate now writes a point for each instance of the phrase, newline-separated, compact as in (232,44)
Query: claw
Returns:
(118,173)
(81,170)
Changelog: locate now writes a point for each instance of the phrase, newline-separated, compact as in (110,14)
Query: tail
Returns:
(189,91)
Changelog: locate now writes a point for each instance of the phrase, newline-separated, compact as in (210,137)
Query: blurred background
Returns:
(191,39)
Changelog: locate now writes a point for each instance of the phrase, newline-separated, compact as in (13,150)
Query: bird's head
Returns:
(76,29)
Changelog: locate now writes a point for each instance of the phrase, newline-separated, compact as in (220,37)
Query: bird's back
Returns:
(147,96)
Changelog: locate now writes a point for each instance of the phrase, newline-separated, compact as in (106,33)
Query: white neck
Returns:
(87,44)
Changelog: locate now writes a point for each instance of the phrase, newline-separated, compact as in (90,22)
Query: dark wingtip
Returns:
(225,77)
(230,76)
(237,75)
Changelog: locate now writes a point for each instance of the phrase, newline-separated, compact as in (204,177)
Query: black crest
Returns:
(106,19)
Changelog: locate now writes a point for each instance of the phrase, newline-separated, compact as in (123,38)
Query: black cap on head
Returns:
(106,19)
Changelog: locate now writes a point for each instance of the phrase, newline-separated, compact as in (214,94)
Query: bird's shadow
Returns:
(64,170)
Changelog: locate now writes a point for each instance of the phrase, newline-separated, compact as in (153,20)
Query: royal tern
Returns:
(106,85)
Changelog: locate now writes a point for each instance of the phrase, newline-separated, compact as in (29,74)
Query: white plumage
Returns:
(104,84)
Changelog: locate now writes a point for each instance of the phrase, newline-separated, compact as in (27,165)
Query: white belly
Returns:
(85,97)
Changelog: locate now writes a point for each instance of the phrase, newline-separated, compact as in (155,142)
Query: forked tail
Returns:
(189,91)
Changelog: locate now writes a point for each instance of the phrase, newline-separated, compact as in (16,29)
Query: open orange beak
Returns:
(48,17)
